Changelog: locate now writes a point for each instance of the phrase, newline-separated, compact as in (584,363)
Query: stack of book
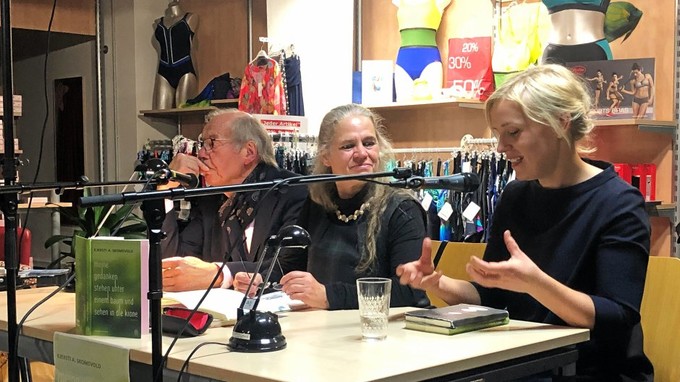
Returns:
(455,318)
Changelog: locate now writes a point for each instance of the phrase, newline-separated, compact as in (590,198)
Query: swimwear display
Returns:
(588,5)
(592,51)
(175,45)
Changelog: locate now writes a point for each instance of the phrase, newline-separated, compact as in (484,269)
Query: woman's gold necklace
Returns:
(342,217)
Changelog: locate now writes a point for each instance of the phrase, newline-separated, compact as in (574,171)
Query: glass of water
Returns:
(374,306)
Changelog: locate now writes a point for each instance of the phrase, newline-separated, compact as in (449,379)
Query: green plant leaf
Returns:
(122,214)
(56,239)
(88,220)
(137,228)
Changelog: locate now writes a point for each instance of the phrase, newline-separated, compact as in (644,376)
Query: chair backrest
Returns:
(660,316)
(25,247)
(452,261)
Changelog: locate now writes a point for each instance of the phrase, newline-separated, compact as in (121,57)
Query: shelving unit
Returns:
(188,111)
(427,104)
(650,125)
(443,123)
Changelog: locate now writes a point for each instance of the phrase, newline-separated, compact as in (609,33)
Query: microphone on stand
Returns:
(257,331)
(157,169)
(462,182)
(186,180)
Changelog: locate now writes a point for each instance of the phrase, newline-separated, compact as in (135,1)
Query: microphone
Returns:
(463,182)
(158,169)
(186,180)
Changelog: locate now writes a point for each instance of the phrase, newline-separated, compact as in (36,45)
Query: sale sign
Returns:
(468,68)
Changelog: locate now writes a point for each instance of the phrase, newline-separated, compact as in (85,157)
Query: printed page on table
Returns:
(223,303)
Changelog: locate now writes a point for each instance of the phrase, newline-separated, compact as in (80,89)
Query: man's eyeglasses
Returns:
(209,143)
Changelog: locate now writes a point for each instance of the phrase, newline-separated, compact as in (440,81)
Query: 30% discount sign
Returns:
(468,67)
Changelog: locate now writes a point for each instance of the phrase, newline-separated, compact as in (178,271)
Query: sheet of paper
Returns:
(223,303)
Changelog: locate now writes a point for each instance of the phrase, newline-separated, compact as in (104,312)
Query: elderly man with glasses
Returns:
(231,227)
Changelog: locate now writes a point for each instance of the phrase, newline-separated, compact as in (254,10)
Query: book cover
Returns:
(450,331)
(457,316)
(112,281)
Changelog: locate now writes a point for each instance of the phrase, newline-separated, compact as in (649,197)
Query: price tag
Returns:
(427,200)
(471,211)
(445,212)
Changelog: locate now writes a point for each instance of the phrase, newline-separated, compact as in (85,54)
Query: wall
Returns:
(70,16)
(444,126)
(28,81)
(129,68)
(324,45)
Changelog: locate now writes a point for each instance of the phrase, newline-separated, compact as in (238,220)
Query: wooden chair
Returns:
(450,258)
(660,315)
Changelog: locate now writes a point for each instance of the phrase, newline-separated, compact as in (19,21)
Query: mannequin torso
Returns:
(577,32)
(419,60)
(176,78)
(576,26)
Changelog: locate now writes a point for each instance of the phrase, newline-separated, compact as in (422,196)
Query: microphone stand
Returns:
(8,203)
(154,212)
(182,193)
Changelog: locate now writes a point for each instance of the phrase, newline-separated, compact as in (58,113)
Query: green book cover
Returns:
(455,316)
(444,330)
(112,281)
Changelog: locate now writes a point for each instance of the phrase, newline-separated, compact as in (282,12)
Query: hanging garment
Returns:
(262,89)
(296,104)
(523,32)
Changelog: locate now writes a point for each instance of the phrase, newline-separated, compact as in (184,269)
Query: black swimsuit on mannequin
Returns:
(176,77)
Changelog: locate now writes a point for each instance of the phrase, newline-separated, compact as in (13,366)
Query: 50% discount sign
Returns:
(468,67)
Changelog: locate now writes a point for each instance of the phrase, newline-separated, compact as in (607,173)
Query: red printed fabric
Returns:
(262,89)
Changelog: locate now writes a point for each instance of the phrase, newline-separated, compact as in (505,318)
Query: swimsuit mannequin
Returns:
(577,31)
(176,78)
(418,57)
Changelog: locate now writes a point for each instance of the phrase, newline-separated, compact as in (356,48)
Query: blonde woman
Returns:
(569,240)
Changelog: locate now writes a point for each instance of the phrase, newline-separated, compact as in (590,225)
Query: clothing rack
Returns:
(467,143)
(292,138)
(425,150)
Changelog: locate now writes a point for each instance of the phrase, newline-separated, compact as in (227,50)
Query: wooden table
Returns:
(323,346)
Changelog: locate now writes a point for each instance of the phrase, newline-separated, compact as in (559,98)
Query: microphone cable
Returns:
(195,309)
(44,125)
(40,152)
(207,291)
(42,301)
(185,365)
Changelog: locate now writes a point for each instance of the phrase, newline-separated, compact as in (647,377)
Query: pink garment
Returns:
(262,89)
